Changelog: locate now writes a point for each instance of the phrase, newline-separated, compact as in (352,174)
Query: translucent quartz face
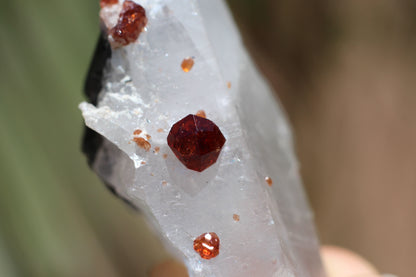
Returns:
(189,58)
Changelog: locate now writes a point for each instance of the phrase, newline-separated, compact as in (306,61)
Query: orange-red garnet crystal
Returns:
(207,245)
(187,64)
(131,22)
(196,142)
(269,181)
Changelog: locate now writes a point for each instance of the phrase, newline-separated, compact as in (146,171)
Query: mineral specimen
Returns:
(144,88)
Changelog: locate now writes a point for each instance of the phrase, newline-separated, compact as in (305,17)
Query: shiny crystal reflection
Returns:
(146,89)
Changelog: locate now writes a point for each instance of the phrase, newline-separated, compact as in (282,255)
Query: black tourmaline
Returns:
(93,85)
(92,141)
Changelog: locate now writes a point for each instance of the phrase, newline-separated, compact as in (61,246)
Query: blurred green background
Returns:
(56,218)
(345,72)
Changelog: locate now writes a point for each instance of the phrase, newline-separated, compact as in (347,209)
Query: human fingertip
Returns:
(340,262)
(169,268)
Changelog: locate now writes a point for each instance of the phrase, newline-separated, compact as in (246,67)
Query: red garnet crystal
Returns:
(196,142)
(207,245)
(130,24)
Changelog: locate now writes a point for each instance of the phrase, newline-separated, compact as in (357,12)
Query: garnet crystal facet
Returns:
(130,24)
(207,245)
(196,142)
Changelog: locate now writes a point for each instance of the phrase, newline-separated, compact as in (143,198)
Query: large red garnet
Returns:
(196,142)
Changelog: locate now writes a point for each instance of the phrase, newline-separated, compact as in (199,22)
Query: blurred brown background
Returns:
(344,70)
(346,74)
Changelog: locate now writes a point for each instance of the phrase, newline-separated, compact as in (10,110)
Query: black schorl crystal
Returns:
(93,84)
(94,81)
(92,141)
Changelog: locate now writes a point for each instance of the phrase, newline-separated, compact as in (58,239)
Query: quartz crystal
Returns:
(265,230)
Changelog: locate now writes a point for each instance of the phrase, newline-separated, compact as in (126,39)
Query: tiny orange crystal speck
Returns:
(187,64)
(207,245)
(201,113)
(137,132)
(142,143)
(236,217)
(269,181)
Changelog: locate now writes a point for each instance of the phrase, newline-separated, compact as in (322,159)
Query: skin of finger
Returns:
(169,268)
(340,262)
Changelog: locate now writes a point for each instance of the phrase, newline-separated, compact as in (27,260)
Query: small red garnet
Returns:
(196,142)
(130,24)
(207,245)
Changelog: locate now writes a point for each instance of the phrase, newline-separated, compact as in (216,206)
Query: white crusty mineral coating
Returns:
(145,88)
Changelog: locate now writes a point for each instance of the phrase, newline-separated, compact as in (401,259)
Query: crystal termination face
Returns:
(131,22)
(196,142)
(207,245)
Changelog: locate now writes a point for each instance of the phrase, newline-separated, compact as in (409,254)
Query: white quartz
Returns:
(145,88)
